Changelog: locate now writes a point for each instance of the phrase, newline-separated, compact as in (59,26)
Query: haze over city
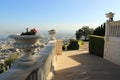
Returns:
(62,15)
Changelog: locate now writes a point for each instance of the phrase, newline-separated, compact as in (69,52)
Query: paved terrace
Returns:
(80,65)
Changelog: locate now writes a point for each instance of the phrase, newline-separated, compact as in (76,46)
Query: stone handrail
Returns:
(113,29)
(41,68)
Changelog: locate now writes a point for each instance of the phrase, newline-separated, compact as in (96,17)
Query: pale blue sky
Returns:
(65,15)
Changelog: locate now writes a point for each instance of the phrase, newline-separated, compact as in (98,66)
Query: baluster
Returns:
(31,76)
(110,30)
(119,30)
(113,31)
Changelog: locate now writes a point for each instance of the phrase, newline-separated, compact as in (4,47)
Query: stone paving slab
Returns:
(80,65)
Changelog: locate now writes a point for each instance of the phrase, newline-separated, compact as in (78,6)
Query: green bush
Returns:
(73,45)
(96,45)
(80,42)
(11,59)
(1,67)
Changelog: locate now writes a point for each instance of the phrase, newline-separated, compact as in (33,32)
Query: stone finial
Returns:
(52,32)
(110,16)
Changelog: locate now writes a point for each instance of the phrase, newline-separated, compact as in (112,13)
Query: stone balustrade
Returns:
(113,29)
(112,41)
(41,68)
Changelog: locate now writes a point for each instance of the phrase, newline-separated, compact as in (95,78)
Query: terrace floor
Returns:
(80,65)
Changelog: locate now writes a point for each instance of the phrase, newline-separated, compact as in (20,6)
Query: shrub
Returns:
(80,42)
(96,45)
(8,62)
(11,59)
(1,67)
(73,45)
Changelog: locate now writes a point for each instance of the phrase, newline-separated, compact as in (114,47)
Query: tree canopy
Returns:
(100,30)
(84,31)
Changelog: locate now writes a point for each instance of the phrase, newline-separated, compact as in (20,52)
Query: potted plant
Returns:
(26,41)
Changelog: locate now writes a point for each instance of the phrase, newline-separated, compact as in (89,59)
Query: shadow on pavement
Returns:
(91,68)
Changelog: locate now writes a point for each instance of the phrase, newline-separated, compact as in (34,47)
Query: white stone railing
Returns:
(41,68)
(112,42)
(113,29)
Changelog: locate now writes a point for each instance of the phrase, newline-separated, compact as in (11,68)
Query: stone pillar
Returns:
(59,47)
(107,29)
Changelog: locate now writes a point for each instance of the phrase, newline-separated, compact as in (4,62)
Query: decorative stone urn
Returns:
(66,43)
(110,16)
(52,33)
(27,43)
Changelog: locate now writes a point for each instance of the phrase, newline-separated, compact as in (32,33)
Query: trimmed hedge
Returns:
(96,45)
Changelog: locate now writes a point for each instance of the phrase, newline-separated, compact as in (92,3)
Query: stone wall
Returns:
(41,68)
(112,42)
(112,50)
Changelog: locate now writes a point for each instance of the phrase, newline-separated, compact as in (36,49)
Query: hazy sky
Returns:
(69,15)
